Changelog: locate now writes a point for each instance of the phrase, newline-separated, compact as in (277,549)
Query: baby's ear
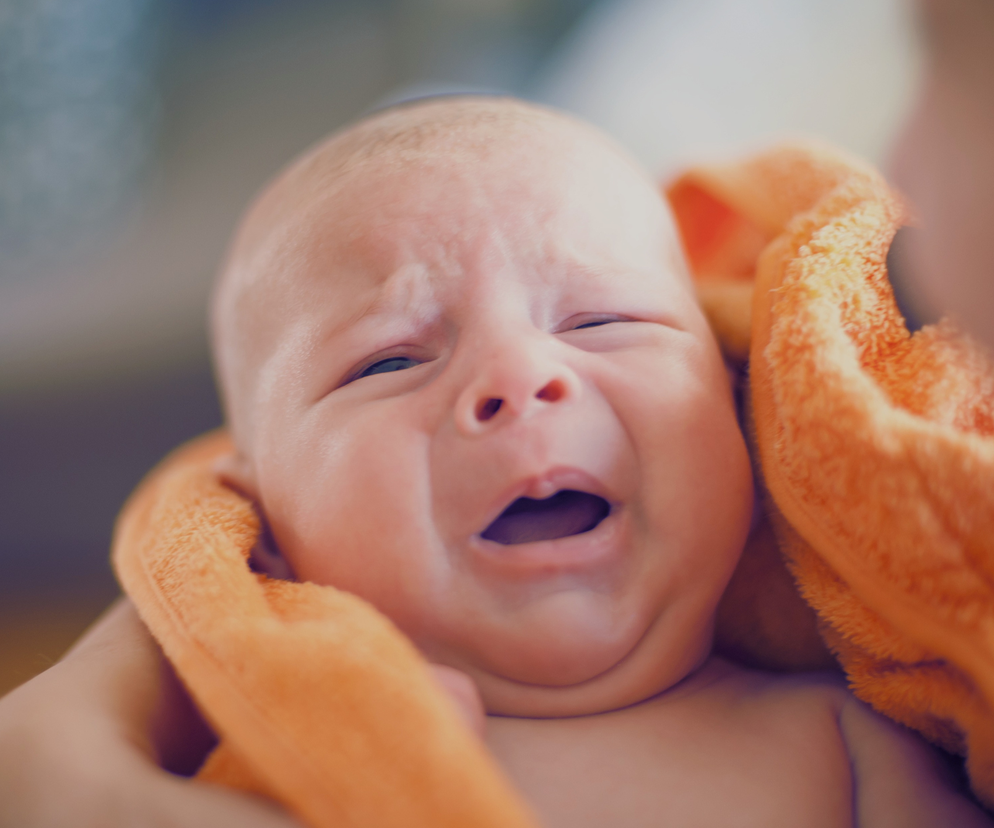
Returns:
(266,558)
(236,472)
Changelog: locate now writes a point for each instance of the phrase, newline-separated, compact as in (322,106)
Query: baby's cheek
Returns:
(704,474)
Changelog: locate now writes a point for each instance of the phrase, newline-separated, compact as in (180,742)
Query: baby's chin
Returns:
(572,663)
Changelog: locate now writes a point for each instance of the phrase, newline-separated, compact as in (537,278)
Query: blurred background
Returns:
(133,132)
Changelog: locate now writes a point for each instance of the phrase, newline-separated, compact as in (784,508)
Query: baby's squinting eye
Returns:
(591,320)
(386,366)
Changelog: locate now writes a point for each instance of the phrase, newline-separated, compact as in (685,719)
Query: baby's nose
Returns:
(509,389)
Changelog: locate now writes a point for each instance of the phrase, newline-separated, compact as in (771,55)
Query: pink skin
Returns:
(479,255)
(944,162)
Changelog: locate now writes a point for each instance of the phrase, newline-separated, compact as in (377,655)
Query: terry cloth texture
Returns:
(319,701)
(876,451)
(875,445)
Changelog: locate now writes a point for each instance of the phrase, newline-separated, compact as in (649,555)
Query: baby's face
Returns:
(473,386)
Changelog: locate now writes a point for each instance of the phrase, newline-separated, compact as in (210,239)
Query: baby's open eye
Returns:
(386,366)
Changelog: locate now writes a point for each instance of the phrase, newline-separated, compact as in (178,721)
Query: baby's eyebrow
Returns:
(410,291)
(413,288)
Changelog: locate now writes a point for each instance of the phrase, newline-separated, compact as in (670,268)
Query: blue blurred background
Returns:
(133,132)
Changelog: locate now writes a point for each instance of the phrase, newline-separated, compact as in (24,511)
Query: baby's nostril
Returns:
(552,392)
(487,408)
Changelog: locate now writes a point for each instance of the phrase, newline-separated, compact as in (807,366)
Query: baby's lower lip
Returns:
(597,547)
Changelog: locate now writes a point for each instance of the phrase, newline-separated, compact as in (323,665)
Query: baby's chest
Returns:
(644,770)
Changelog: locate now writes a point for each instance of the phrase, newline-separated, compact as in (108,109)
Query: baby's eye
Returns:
(591,320)
(386,366)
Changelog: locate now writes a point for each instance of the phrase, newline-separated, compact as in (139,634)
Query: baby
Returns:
(468,380)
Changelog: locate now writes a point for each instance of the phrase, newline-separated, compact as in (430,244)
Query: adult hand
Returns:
(92,741)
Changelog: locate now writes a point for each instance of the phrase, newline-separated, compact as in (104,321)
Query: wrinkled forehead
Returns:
(537,184)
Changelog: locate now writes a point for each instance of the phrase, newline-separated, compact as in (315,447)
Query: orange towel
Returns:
(875,447)
(319,701)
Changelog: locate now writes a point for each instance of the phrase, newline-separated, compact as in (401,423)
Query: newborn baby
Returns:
(468,380)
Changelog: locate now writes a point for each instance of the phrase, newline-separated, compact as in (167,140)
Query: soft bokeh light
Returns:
(78,118)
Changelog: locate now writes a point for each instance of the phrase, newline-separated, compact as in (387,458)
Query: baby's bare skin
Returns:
(519,283)
(732,747)
(724,748)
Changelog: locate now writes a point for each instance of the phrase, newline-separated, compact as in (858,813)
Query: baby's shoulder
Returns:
(797,713)
(815,693)
(897,778)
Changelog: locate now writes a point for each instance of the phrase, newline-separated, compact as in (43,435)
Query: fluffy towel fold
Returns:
(876,450)
(319,701)
(875,444)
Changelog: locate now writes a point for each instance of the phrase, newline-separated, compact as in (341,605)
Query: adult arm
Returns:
(85,743)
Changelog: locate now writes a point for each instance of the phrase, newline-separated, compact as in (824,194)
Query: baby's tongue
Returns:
(565,513)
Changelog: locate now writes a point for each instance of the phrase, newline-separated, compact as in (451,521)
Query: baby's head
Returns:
(468,380)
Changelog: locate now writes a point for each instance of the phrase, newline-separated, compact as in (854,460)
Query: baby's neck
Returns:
(679,753)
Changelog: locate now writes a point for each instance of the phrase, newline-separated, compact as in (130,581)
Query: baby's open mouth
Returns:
(565,513)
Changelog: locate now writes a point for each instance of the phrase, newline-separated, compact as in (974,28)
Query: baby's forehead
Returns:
(439,182)
(434,221)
